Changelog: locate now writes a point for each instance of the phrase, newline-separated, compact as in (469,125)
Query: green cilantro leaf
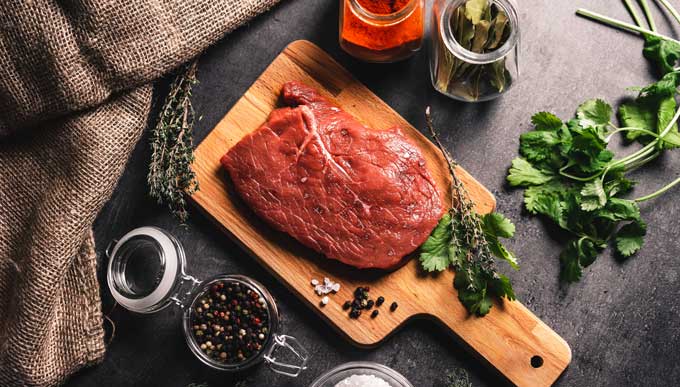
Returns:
(663,53)
(630,237)
(435,252)
(594,112)
(578,254)
(502,287)
(538,145)
(522,173)
(546,121)
(497,226)
(666,112)
(619,209)
(593,196)
(636,115)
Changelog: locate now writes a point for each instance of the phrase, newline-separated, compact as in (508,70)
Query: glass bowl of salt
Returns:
(361,374)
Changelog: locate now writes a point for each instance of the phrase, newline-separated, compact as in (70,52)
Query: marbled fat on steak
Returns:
(358,195)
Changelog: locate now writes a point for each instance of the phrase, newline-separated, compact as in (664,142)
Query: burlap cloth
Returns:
(74,99)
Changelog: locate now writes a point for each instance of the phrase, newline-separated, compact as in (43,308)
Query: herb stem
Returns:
(670,9)
(639,163)
(633,13)
(659,192)
(622,25)
(631,129)
(648,14)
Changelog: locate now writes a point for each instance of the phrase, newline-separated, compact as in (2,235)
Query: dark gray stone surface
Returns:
(621,320)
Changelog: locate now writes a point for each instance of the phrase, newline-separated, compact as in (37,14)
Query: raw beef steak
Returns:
(358,195)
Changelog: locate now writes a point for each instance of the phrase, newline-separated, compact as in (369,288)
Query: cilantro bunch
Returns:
(571,177)
(468,243)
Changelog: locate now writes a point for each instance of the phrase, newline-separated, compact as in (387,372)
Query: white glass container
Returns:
(340,373)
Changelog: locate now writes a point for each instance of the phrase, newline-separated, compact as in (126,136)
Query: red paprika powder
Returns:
(381,30)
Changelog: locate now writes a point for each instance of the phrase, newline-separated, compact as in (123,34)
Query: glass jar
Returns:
(341,372)
(146,273)
(381,30)
(474,53)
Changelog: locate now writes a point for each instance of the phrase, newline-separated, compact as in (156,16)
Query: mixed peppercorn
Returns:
(230,322)
(362,302)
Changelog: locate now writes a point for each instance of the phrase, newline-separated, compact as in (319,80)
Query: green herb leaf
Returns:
(497,226)
(637,115)
(629,238)
(593,196)
(435,252)
(538,145)
(522,173)
(578,254)
(663,53)
(594,112)
(546,121)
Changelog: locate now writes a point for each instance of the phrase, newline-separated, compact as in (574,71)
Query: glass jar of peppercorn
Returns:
(381,30)
(230,322)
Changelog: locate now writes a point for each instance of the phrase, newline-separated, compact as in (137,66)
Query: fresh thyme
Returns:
(469,242)
(170,177)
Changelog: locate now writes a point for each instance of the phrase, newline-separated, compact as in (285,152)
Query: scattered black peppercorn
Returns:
(379,301)
(369,304)
(374,314)
(355,313)
(394,306)
(346,305)
(230,322)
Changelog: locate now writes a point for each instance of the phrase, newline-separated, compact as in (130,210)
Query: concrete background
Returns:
(621,320)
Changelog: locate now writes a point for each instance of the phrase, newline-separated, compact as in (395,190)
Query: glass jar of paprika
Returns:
(381,30)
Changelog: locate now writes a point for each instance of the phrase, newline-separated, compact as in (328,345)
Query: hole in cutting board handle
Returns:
(536,361)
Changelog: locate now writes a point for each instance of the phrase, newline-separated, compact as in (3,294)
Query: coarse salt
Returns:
(326,287)
(324,300)
(363,381)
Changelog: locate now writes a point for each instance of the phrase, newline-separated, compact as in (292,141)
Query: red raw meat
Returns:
(358,195)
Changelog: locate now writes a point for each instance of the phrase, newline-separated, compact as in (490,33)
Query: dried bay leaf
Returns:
(475,10)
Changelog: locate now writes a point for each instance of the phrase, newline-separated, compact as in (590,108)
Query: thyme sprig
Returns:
(170,177)
(469,242)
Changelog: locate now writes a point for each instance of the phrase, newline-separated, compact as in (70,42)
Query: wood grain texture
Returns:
(506,339)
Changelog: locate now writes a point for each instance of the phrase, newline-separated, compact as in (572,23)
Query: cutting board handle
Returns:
(512,340)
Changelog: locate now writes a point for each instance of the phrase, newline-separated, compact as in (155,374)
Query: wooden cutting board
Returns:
(507,338)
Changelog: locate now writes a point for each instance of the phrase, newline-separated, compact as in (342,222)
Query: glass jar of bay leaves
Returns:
(475,48)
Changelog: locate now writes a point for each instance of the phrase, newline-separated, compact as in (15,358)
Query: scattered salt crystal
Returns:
(324,300)
(336,287)
(326,281)
(315,282)
(363,381)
